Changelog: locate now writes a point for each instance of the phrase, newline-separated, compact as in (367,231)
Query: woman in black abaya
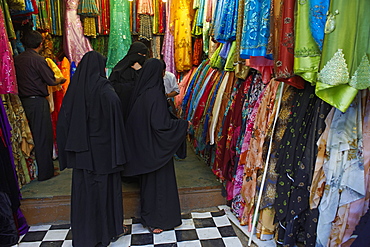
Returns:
(126,71)
(91,140)
(154,138)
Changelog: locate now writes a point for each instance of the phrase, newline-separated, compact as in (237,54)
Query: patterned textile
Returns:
(75,43)
(226,20)
(8,83)
(21,139)
(343,167)
(296,156)
(344,66)
(181,16)
(284,43)
(168,43)
(306,51)
(256,28)
(120,36)
(317,18)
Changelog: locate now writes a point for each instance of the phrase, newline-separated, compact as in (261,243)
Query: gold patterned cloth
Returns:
(21,139)
(181,16)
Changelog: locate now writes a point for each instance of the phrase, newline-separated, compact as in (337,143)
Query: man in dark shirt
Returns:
(33,76)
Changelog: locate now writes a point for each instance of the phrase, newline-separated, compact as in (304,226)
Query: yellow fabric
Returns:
(51,89)
(181,16)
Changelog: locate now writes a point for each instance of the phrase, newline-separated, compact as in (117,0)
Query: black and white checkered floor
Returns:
(209,229)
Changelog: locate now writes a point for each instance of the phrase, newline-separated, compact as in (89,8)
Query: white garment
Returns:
(216,109)
(170,83)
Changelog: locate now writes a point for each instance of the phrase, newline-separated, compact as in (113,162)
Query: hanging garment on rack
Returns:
(256,28)
(307,53)
(181,16)
(284,44)
(292,185)
(8,83)
(21,139)
(343,167)
(317,19)
(75,43)
(226,20)
(8,176)
(168,50)
(120,35)
(345,67)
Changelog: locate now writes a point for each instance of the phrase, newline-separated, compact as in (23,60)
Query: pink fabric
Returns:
(183,85)
(168,49)
(75,43)
(8,83)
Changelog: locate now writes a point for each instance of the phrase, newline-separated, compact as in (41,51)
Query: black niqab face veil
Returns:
(137,53)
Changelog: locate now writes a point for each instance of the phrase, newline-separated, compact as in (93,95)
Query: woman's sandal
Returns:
(155,230)
(125,232)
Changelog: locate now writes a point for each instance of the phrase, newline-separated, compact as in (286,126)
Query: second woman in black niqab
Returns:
(124,76)
(154,138)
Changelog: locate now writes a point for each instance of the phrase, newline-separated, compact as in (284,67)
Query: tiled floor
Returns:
(209,229)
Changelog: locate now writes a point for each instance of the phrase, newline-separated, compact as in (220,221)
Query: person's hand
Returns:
(136,66)
(189,125)
(348,243)
(60,80)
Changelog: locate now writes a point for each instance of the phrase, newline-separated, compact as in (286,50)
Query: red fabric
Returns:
(285,57)
(198,51)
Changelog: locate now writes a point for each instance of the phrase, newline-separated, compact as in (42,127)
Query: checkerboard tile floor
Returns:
(209,229)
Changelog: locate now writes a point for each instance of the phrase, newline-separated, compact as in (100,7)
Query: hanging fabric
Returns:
(8,83)
(345,67)
(181,16)
(75,43)
(120,36)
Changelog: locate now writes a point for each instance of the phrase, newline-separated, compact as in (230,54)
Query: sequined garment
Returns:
(75,43)
(168,50)
(181,15)
(8,83)
(256,28)
(344,66)
(225,24)
(120,35)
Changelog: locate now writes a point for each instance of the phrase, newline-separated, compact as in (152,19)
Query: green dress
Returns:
(306,51)
(120,35)
(344,67)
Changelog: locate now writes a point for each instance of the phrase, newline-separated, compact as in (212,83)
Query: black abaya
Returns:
(160,205)
(154,138)
(91,140)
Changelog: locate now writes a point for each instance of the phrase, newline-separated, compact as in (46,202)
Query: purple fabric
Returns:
(168,50)
(6,128)
(225,50)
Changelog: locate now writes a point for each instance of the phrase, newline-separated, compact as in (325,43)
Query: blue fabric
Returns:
(203,137)
(226,20)
(189,91)
(200,16)
(256,28)
(318,10)
(196,89)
